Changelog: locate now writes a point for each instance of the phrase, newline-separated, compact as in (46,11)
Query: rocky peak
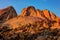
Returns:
(40,14)
(53,16)
(7,13)
(30,11)
(44,14)
(31,7)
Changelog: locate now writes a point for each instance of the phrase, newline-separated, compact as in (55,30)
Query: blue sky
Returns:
(52,5)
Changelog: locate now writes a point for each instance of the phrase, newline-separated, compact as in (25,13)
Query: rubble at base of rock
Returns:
(7,33)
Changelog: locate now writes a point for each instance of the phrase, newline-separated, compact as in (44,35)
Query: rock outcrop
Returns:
(7,13)
(31,24)
(45,14)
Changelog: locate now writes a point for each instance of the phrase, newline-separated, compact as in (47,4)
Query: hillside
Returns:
(31,24)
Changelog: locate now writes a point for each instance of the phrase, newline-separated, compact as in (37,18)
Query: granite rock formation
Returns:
(7,13)
(31,24)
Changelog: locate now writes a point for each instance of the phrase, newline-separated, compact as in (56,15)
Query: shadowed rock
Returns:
(7,13)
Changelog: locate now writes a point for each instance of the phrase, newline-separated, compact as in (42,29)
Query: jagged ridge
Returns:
(7,13)
(31,24)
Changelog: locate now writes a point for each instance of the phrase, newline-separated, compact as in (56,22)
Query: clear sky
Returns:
(52,5)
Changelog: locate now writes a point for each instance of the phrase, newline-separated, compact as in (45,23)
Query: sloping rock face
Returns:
(43,14)
(31,11)
(31,24)
(7,13)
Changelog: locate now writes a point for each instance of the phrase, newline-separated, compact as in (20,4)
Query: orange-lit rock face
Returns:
(39,14)
(53,16)
(23,12)
(44,14)
(7,13)
(30,11)
(29,25)
(22,21)
(30,14)
(47,14)
(59,19)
